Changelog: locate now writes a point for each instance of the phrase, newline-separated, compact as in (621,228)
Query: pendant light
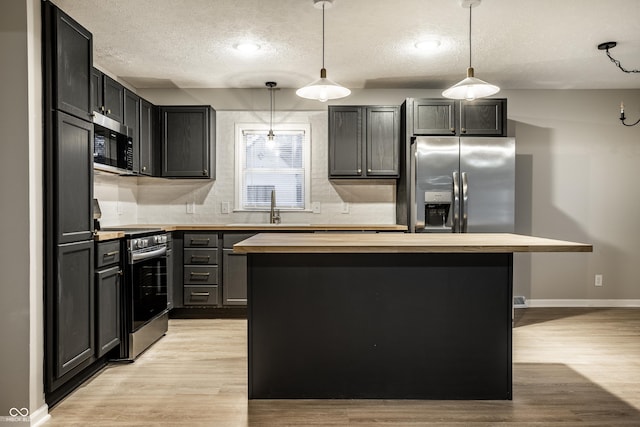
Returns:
(323,89)
(272,106)
(470,88)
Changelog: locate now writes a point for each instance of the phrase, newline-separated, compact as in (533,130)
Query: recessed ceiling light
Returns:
(247,47)
(428,44)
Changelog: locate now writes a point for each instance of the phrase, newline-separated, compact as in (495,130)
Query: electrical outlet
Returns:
(598,281)
(191,207)
(315,207)
(225,207)
(345,207)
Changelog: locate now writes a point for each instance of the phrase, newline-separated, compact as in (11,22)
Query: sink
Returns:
(262,225)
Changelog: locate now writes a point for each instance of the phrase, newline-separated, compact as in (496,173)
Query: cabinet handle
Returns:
(199,294)
(359,170)
(463,130)
(453,130)
(144,168)
(205,257)
(102,108)
(110,254)
(195,241)
(121,273)
(199,274)
(109,111)
(369,170)
(204,172)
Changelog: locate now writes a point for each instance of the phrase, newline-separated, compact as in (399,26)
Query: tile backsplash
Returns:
(128,200)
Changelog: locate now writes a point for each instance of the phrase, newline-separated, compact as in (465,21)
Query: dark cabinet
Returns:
(148,154)
(188,141)
(364,141)
(68,58)
(72,190)
(234,270)
(107,296)
(481,117)
(200,270)
(107,96)
(132,120)
(73,325)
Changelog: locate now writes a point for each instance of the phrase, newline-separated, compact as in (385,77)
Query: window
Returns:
(263,166)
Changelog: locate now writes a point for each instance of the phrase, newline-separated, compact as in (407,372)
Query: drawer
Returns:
(201,295)
(228,240)
(107,253)
(200,275)
(200,256)
(200,240)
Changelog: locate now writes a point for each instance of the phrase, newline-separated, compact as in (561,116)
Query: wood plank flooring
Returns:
(572,367)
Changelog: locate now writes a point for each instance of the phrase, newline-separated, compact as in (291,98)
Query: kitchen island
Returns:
(387,316)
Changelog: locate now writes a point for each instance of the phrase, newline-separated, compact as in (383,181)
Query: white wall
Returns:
(21,263)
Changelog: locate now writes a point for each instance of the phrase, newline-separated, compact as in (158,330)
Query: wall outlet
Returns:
(315,207)
(191,207)
(225,207)
(345,207)
(598,281)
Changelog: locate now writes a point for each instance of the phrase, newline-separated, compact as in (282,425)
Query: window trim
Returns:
(239,157)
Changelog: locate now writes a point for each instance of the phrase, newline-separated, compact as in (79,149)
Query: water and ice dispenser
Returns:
(437,211)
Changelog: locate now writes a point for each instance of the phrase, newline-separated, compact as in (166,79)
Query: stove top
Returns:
(135,231)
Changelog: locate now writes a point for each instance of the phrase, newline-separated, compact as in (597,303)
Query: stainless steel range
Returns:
(145,316)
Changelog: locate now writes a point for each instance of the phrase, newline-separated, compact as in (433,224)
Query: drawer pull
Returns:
(110,254)
(199,294)
(200,241)
(195,274)
(204,257)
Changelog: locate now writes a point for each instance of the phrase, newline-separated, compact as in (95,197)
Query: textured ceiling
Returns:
(517,44)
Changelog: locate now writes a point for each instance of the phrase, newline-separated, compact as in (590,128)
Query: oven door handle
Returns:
(140,256)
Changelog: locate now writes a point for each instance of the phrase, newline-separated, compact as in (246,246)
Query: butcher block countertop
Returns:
(101,236)
(404,243)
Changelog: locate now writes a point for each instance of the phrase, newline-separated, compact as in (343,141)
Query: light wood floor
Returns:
(572,367)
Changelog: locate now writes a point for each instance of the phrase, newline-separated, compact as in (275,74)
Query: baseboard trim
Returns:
(22,417)
(613,303)
(40,416)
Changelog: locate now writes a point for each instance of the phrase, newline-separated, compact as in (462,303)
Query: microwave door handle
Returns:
(456,204)
(465,202)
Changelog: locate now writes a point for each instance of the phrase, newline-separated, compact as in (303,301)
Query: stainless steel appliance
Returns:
(112,145)
(463,184)
(145,315)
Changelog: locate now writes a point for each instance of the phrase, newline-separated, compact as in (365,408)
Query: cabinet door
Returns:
(113,99)
(147,134)
(485,117)
(132,121)
(72,59)
(345,141)
(97,100)
(383,142)
(186,141)
(74,307)
(434,117)
(108,289)
(73,174)
(234,278)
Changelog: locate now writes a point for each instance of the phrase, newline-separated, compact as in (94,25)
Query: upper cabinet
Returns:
(107,95)
(131,115)
(364,142)
(481,117)
(188,141)
(149,155)
(68,85)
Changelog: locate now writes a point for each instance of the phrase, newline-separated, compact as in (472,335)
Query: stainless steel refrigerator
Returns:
(463,184)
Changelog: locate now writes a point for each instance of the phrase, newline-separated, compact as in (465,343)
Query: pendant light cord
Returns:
(470,35)
(323,35)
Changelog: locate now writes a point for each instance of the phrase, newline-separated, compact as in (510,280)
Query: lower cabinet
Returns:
(200,269)
(234,271)
(108,291)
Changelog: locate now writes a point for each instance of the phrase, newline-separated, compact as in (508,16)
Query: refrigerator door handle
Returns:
(455,226)
(465,205)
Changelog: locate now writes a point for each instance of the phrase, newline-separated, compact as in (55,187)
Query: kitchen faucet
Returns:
(274,214)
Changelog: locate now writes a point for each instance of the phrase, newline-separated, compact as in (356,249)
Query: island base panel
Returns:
(384,326)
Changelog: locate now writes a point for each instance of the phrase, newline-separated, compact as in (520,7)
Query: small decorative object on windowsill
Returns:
(623,118)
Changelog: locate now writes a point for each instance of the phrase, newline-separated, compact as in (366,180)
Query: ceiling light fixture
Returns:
(610,45)
(247,47)
(428,44)
(323,89)
(470,88)
(272,106)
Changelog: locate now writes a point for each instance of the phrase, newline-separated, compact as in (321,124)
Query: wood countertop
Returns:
(271,227)
(404,243)
(101,236)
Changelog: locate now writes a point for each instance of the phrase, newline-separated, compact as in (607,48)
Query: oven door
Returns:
(147,286)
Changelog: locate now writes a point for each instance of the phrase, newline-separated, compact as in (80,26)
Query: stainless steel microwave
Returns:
(112,145)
